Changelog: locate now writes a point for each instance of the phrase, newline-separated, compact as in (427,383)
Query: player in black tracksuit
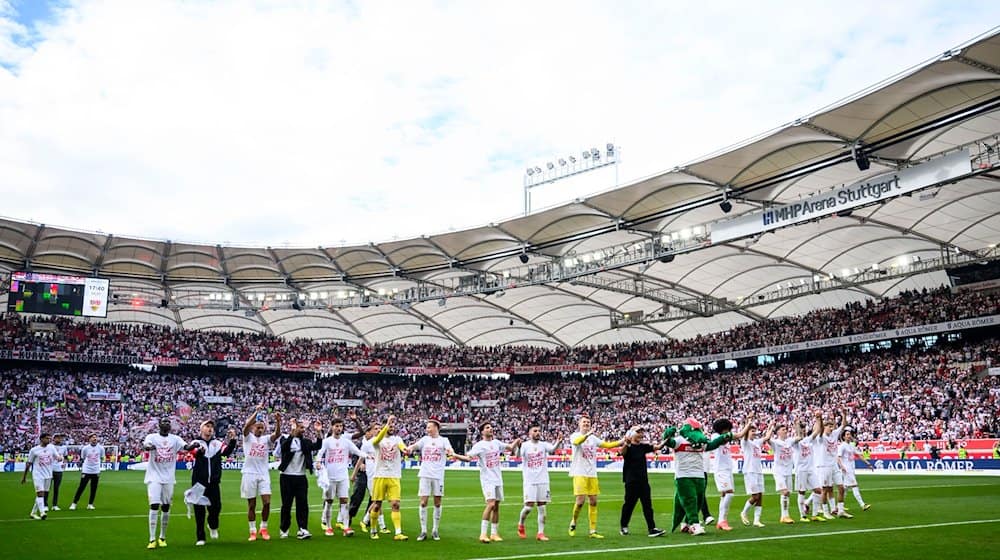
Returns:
(207,471)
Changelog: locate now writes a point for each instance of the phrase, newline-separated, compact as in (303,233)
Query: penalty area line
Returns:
(736,541)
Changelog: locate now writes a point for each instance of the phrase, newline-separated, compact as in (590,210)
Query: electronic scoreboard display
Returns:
(56,294)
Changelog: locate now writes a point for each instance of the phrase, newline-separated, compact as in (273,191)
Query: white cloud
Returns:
(308,123)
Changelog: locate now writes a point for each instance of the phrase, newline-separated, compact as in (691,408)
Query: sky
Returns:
(328,123)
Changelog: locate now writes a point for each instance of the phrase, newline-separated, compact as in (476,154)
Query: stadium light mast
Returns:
(569,166)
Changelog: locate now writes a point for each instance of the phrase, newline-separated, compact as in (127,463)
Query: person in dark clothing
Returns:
(296,460)
(360,480)
(207,471)
(636,478)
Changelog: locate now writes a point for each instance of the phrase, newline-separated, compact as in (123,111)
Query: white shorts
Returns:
(337,489)
(160,492)
(492,491)
(538,493)
(253,485)
(724,482)
(430,487)
(848,479)
(754,483)
(41,484)
(806,481)
(826,476)
(782,483)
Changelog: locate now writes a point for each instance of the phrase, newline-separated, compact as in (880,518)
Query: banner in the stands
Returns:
(846,197)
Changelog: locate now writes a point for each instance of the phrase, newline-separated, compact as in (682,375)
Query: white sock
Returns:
(152,524)
(437,517)
(817,504)
(495,528)
(833,503)
(381,520)
(724,507)
(423,519)
(826,508)
(840,507)
(857,496)
(802,505)
(366,519)
(524,514)
(253,526)
(164,518)
(325,518)
(40,504)
(344,517)
(756,513)
(784,505)
(484,527)
(541,518)
(263,525)
(746,507)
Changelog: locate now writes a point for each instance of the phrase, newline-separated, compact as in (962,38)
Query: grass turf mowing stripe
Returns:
(477,503)
(736,541)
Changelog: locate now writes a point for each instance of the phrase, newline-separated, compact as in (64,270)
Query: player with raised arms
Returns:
(388,470)
(583,469)
(753,472)
(724,466)
(256,480)
(784,447)
(534,455)
(806,478)
(826,462)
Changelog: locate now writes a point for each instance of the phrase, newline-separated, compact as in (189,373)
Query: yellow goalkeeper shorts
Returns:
(585,486)
(385,489)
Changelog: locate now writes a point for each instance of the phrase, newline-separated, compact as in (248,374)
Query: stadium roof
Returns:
(936,107)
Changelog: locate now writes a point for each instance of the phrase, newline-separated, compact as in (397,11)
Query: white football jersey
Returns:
(434,453)
(488,454)
(162,465)
(535,461)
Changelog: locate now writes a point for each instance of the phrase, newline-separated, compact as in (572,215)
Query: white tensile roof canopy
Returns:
(937,107)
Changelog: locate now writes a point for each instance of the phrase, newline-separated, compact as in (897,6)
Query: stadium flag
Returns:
(49,411)
(121,419)
(38,420)
(25,426)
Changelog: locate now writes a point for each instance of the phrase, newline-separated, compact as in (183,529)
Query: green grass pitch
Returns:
(912,516)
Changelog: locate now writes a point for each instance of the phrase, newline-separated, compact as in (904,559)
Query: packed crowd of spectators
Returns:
(146,341)
(892,395)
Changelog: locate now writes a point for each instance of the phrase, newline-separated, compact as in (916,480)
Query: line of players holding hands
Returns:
(820,455)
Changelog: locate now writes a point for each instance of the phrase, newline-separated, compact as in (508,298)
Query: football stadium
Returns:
(787,347)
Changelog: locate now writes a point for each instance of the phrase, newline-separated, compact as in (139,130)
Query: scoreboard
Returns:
(56,294)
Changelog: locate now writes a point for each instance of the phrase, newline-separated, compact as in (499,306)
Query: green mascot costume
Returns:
(689,445)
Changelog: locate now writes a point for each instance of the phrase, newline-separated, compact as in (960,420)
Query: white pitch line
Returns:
(735,541)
